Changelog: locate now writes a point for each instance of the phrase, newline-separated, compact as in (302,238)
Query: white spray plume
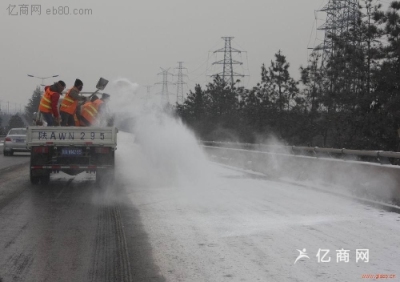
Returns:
(124,96)
(156,149)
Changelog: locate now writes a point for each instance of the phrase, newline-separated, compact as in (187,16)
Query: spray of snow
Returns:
(154,148)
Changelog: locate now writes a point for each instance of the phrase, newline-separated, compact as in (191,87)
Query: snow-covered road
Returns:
(207,222)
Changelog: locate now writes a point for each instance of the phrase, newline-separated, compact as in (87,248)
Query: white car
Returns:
(15,141)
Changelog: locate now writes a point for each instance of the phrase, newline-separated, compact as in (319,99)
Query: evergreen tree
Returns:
(352,101)
(15,122)
(386,105)
(223,109)
(223,98)
(312,79)
(280,91)
(194,111)
(252,110)
(33,104)
(347,88)
(277,78)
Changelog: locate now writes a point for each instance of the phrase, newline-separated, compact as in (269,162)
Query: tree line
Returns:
(351,101)
(8,121)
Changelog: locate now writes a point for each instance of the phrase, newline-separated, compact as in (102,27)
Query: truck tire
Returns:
(45,179)
(34,179)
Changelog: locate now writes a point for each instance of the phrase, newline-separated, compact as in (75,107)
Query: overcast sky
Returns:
(133,39)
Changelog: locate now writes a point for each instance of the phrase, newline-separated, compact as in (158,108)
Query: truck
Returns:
(71,150)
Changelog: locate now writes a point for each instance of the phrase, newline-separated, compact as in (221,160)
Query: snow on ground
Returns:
(216,224)
(206,222)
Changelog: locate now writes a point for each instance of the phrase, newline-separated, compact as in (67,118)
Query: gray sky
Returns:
(133,39)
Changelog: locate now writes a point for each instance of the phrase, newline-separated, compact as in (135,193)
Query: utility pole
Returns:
(227,72)
(341,15)
(148,92)
(148,89)
(180,83)
(164,92)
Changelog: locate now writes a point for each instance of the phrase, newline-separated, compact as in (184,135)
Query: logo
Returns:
(302,254)
(342,255)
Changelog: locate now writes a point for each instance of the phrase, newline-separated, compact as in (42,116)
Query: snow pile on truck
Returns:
(72,150)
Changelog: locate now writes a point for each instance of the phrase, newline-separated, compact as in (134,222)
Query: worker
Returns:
(69,104)
(92,110)
(48,106)
(76,120)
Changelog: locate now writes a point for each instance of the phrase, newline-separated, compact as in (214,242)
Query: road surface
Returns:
(186,219)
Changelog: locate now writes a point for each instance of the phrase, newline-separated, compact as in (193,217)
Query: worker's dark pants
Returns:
(67,119)
(48,117)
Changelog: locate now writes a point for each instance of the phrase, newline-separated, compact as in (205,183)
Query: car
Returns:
(15,141)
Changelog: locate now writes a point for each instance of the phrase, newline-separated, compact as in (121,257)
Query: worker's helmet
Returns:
(78,82)
(94,98)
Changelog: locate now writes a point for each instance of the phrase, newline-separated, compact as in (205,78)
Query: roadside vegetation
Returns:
(352,101)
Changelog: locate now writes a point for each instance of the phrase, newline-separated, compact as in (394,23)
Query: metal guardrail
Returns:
(383,157)
(373,175)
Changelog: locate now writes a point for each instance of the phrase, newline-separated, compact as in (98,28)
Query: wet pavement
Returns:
(70,230)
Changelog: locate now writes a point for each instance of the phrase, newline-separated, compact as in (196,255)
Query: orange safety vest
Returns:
(90,110)
(45,102)
(68,105)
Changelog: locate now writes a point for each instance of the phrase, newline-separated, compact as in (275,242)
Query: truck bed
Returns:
(72,150)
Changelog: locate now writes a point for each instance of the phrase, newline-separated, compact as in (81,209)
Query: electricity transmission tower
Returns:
(180,83)
(227,73)
(341,15)
(148,90)
(164,92)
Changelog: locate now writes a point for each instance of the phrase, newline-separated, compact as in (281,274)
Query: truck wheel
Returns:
(110,174)
(34,179)
(45,179)
(98,176)
(5,153)
(11,153)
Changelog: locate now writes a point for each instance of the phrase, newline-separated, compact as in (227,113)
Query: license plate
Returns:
(19,140)
(71,152)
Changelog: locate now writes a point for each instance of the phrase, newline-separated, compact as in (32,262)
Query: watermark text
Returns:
(37,10)
(378,276)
